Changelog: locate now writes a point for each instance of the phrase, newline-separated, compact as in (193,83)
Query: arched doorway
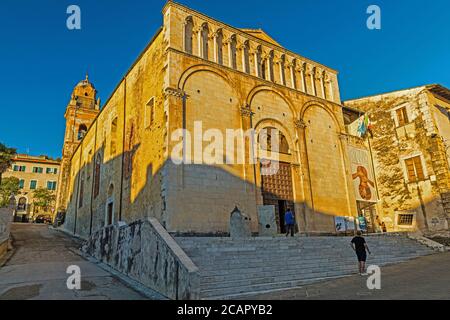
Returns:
(22,204)
(276,173)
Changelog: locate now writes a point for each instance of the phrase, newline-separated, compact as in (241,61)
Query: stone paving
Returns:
(37,270)
(425,278)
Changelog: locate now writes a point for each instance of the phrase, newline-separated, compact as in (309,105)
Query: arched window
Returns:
(188,30)
(270,62)
(246,57)
(263,66)
(266,140)
(258,62)
(113,145)
(97,170)
(293,68)
(205,39)
(232,48)
(82,129)
(282,66)
(219,47)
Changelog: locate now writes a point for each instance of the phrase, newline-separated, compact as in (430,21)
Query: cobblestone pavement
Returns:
(426,278)
(37,269)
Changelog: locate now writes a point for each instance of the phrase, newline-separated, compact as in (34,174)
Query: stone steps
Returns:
(231,268)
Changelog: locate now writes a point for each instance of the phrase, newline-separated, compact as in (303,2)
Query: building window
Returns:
(188,29)
(205,39)
(266,141)
(19,168)
(402,117)
(21,184)
(51,185)
(405,219)
(38,170)
(33,184)
(149,113)
(113,145)
(219,47)
(51,171)
(246,57)
(415,169)
(258,60)
(282,69)
(233,61)
(98,164)
(82,129)
(271,74)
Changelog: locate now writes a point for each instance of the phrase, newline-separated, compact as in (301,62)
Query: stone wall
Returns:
(145,252)
(392,143)
(6,216)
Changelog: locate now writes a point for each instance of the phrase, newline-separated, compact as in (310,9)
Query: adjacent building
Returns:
(409,142)
(33,173)
(197,73)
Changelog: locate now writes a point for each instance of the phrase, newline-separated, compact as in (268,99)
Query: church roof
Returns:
(261,34)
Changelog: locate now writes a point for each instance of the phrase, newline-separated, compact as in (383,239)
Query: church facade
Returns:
(197,72)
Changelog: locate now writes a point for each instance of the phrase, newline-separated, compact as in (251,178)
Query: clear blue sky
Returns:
(41,60)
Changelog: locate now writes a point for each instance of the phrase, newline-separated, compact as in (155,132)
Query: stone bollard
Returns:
(240,225)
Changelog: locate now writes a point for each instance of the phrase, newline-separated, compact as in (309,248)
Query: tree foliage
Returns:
(6,155)
(43,198)
(9,186)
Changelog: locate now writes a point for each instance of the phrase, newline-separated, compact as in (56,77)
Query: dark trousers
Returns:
(290,228)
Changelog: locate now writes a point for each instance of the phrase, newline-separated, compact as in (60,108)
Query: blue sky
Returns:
(41,60)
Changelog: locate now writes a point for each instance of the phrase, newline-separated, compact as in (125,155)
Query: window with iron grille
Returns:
(405,219)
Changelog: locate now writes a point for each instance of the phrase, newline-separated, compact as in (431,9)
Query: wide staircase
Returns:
(234,268)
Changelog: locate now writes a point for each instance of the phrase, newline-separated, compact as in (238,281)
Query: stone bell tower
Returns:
(81,111)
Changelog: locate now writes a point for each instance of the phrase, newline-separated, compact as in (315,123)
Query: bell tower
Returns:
(81,112)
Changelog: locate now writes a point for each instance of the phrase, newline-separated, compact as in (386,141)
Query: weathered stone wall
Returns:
(128,138)
(392,144)
(6,217)
(145,252)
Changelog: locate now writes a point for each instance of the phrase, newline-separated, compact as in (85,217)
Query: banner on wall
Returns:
(339,224)
(350,223)
(362,224)
(362,175)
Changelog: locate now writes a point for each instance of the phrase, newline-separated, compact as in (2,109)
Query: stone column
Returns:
(319,76)
(250,166)
(307,210)
(292,71)
(175,109)
(302,69)
(329,82)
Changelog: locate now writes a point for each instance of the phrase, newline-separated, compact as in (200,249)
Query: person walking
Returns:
(359,245)
(289,222)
